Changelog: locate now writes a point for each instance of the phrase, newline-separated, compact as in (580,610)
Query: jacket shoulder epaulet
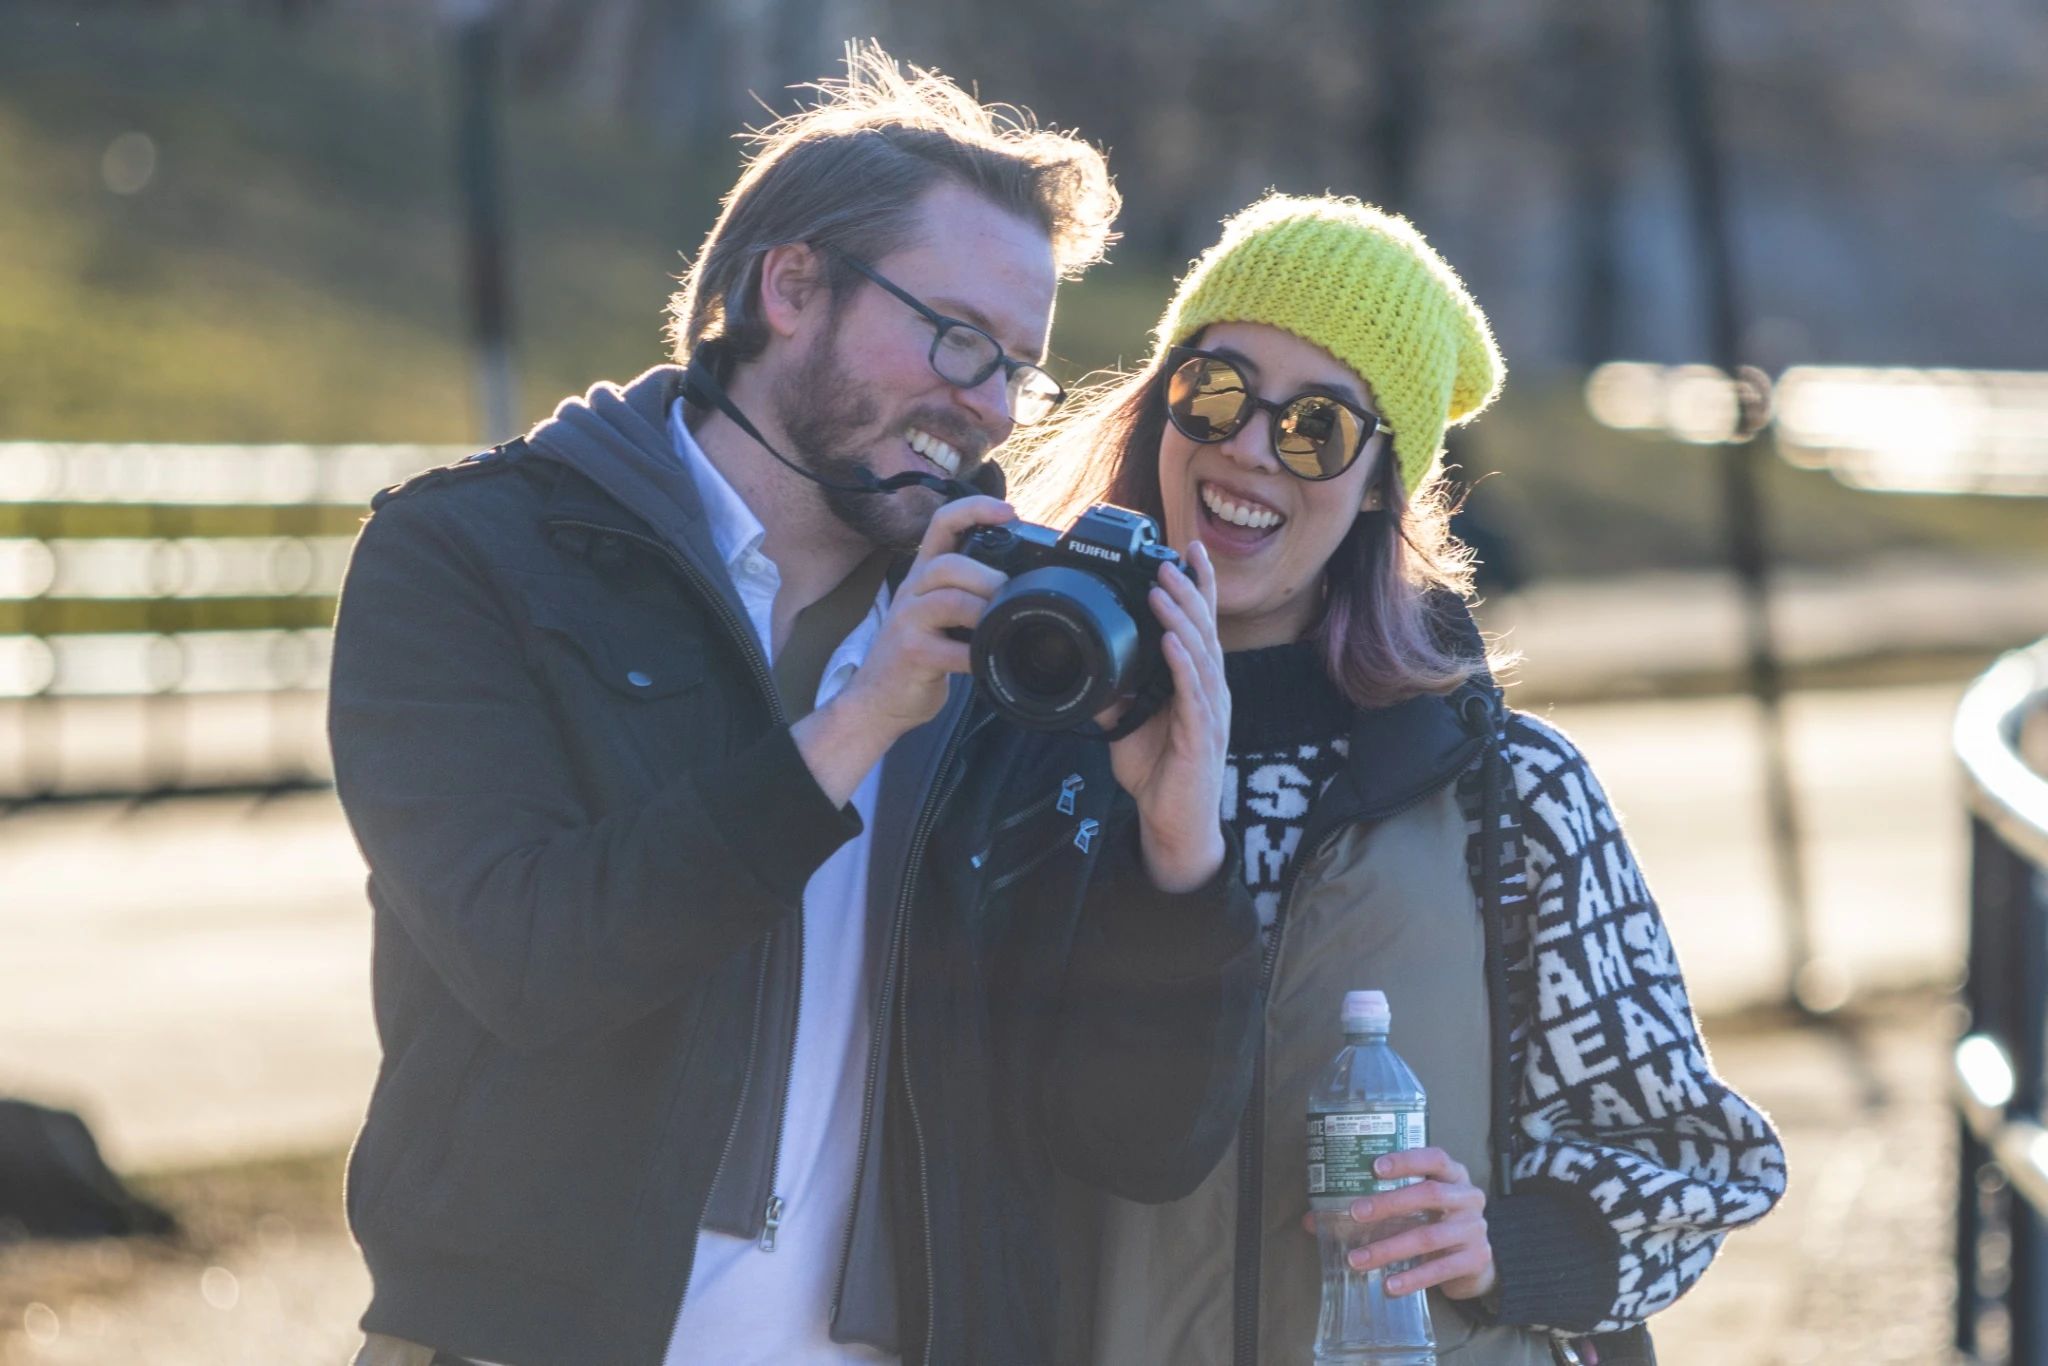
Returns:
(497,458)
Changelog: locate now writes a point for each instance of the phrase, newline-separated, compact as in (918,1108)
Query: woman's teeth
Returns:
(936,451)
(1226,509)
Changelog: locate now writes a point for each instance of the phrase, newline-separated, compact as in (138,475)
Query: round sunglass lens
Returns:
(1206,399)
(1317,437)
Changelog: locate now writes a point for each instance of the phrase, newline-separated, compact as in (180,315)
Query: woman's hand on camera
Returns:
(1456,1256)
(1173,764)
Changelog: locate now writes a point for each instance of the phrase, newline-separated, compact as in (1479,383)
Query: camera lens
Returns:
(1055,647)
(1043,659)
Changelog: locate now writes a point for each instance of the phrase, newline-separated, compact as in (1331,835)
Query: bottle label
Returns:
(1342,1148)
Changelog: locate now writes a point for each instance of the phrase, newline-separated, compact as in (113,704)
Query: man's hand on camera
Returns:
(902,684)
(1173,764)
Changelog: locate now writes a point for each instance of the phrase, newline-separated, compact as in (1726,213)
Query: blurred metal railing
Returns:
(164,609)
(2001,1065)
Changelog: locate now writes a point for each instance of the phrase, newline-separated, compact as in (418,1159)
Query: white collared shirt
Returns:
(744,1305)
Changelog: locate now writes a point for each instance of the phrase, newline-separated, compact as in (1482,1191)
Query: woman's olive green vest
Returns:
(1387,905)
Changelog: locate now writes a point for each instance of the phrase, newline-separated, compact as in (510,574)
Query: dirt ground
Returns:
(1856,1264)
(1853,1267)
(262,1273)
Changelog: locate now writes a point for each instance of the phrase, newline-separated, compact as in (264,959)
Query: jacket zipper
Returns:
(899,947)
(1067,794)
(867,1116)
(732,1130)
(1248,1269)
(1015,819)
(899,929)
(771,1214)
(1250,1151)
(742,635)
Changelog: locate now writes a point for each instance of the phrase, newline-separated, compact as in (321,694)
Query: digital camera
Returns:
(1071,632)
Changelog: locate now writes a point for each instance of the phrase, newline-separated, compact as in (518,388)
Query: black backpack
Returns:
(54,1184)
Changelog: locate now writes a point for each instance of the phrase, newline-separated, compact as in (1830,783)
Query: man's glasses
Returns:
(965,356)
(1315,436)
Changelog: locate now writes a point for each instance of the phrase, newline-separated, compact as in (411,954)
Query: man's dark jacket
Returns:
(589,832)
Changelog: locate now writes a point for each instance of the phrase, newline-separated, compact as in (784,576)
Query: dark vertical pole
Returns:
(1986,995)
(1742,507)
(478,53)
(2026,899)
(1587,60)
(1397,113)
(163,711)
(42,717)
(1970,1163)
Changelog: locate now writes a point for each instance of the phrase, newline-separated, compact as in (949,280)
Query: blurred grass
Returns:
(292,272)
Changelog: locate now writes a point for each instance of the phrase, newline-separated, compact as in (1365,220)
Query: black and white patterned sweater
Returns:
(1628,1159)
(1288,738)
(1631,1160)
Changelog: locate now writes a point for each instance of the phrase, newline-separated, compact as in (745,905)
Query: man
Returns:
(708,1037)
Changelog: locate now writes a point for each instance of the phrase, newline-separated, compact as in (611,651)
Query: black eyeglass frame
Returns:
(941,325)
(1370,424)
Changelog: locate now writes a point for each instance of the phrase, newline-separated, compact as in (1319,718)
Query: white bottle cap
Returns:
(1366,1008)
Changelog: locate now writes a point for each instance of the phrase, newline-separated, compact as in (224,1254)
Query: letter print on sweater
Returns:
(1266,801)
(1616,1103)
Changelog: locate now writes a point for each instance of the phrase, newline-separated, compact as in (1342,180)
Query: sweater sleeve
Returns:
(1632,1159)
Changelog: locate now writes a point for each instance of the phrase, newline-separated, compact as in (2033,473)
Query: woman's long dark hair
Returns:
(1388,588)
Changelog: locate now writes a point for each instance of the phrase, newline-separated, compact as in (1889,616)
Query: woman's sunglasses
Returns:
(1315,436)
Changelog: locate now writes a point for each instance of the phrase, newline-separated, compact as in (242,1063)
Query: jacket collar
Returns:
(617,438)
(633,481)
(1404,752)
(1401,754)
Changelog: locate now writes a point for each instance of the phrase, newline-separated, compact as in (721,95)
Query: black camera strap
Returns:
(702,387)
(1143,708)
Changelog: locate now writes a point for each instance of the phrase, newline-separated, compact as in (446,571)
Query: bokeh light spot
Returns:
(129,163)
(39,1321)
(220,1288)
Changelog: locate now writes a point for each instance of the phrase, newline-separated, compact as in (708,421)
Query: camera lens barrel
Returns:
(1056,646)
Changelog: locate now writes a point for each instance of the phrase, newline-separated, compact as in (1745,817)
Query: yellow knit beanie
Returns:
(1363,285)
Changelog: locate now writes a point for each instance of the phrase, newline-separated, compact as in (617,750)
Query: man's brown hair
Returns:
(849,169)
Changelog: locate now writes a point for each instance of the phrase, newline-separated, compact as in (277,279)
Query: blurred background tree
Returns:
(226,220)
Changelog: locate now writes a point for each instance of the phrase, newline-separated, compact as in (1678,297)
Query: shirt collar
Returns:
(735,530)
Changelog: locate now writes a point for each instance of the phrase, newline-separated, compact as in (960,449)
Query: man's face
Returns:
(861,392)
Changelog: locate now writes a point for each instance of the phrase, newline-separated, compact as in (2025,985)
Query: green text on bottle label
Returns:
(1343,1147)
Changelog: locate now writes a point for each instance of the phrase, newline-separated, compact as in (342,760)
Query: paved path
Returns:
(1851,1268)
(1854,1265)
(194,976)
(1639,634)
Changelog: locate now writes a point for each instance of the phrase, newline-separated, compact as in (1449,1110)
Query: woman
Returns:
(1585,1160)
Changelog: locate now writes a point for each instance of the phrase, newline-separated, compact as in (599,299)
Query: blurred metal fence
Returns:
(1897,430)
(2001,1065)
(165,610)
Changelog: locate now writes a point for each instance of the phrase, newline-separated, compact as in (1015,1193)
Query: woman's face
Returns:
(1269,573)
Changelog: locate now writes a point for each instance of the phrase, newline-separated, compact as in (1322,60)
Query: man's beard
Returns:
(822,408)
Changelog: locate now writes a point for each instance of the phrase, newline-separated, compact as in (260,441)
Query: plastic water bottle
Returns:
(1367,1104)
